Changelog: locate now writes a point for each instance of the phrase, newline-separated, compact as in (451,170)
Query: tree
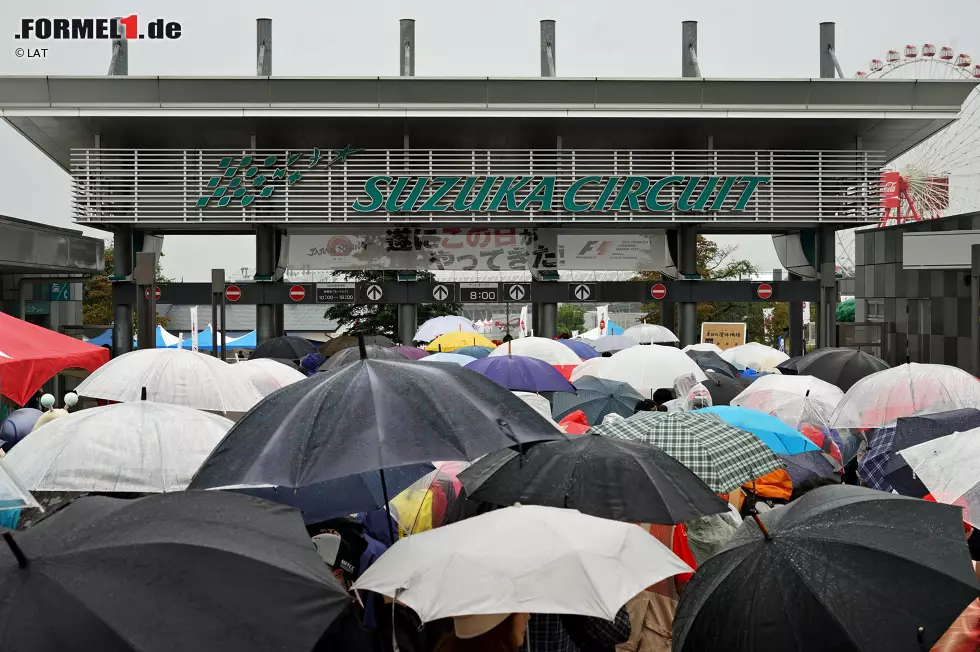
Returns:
(716,263)
(382,319)
(571,317)
(97,306)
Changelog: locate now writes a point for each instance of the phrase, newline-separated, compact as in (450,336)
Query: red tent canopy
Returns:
(31,355)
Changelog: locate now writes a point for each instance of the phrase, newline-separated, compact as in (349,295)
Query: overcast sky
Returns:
(615,38)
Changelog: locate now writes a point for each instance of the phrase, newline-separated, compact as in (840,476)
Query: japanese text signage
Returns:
(723,335)
(476,248)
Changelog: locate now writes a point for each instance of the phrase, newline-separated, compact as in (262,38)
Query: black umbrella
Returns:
(841,367)
(292,364)
(711,361)
(338,344)
(723,388)
(810,464)
(602,476)
(347,356)
(179,571)
(596,397)
(910,431)
(370,415)
(788,367)
(288,348)
(842,568)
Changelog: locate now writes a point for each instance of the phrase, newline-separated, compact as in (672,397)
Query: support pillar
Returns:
(797,329)
(827,47)
(119,61)
(826,258)
(689,49)
(687,249)
(549,320)
(122,330)
(265,269)
(668,316)
(407,322)
(280,317)
(406,49)
(975,309)
(536,319)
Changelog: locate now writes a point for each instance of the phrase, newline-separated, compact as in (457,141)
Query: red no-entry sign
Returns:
(297,293)
(658,291)
(156,293)
(764,291)
(233,293)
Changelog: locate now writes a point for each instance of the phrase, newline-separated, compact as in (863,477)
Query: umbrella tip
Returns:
(361,347)
(14,548)
(142,393)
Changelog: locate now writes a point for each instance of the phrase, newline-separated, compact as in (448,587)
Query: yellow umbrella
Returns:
(451,341)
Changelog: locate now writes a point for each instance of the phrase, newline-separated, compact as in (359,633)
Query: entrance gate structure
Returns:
(536,174)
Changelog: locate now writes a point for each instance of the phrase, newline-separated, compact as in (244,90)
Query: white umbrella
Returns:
(648,368)
(552,352)
(14,494)
(704,346)
(174,377)
(522,559)
(540,404)
(948,467)
(139,447)
(590,367)
(754,356)
(267,375)
(437,326)
(455,358)
(613,343)
(651,334)
(797,401)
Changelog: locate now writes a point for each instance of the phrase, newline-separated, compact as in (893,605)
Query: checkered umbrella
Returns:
(723,456)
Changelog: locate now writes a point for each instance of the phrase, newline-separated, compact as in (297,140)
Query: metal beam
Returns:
(407,322)
(119,63)
(827,48)
(687,248)
(406,48)
(974,309)
(549,320)
(797,329)
(122,311)
(265,268)
(263,47)
(549,65)
(689,49)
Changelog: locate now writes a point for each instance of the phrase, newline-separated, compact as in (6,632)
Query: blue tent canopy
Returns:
(246,341)
(205,340)
(615,329)
(105,339)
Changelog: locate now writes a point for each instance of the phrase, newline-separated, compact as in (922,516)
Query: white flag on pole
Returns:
(523,321)
(602,317)
(193,328)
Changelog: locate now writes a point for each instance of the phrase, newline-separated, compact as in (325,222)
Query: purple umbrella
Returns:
(522,374)
(581,349)
(411,352)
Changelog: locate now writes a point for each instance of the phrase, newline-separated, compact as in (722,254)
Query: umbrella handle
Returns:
(762,526)
(14,548)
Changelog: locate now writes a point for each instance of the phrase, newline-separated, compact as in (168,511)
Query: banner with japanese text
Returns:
(476,248)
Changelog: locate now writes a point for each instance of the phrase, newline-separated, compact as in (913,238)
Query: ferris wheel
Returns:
(941,175)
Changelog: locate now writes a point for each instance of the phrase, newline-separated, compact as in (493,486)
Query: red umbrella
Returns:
(31,355)
(575,423)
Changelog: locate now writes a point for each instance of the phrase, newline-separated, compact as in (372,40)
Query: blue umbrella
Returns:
(774,433)
(478,352)
(581,349)
(455,358)
(522,374)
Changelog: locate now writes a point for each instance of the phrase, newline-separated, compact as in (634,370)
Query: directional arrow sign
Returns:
(374,292)
(581,292)
(440,293)
(517,292)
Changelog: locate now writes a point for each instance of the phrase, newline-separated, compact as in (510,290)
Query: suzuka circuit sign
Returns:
(490,194)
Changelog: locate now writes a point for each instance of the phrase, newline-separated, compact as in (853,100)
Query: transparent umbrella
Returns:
(592,367)
(651,334)
(437,326)
(878,400)
(424,504)
(754,356)
(174,377)
(648,368)
(13,492)
(266,374)
(949,467)
(797,401)
(139,447)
